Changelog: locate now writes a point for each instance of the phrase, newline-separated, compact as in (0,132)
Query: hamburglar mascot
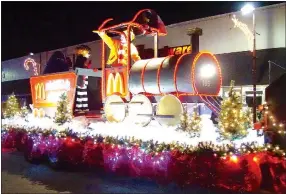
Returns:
(82,61)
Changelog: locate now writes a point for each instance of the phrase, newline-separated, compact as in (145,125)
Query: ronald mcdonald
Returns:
(118,49)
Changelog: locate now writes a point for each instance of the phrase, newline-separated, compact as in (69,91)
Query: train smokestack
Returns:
(195,34)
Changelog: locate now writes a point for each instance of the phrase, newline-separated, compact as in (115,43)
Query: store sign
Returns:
(47,89)
(116,81)
(179,50)
(115,84)
(40,91)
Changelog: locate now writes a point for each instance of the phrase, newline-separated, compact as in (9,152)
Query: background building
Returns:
(230,44)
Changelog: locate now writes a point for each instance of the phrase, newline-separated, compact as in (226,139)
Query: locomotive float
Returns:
(138,90)
(141,89)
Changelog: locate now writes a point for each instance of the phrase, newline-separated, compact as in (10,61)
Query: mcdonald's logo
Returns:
(38,112)
(40,91)
(115,85)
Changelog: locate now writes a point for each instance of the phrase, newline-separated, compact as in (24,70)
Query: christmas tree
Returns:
(195,124)
(12,107)
(24,111)
(184,120)
(191,125)
(63,113)
(233,121)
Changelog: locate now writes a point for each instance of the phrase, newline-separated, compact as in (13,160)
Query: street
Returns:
(19,176)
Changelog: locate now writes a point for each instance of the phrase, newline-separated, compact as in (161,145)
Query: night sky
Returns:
(42,26)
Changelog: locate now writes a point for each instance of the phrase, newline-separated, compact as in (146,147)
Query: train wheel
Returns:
(169,110)
(114,109)
(140,110)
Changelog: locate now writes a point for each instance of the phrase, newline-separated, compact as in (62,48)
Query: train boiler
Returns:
(156,87)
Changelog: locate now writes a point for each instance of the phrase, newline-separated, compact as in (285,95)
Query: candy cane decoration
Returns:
(34,64)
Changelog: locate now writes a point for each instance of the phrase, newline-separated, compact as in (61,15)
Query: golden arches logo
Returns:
(40,91)
(115,85)
(38,112)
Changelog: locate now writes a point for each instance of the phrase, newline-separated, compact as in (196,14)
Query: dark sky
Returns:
(42,26)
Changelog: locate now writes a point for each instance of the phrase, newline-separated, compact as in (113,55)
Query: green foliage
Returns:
(233,121)
(12,107)
(24,111)
(63,113)
(185,119)
(192,124)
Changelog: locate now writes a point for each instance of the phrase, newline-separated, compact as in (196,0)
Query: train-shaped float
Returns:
(137,90)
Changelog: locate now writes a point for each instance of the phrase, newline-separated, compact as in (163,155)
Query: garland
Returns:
(207,165)
(153,147)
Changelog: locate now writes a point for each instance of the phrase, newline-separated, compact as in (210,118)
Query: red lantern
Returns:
(260,107)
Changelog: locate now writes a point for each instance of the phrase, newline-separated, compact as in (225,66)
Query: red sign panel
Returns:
(47,89)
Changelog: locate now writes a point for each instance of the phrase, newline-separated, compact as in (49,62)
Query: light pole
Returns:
(248,8)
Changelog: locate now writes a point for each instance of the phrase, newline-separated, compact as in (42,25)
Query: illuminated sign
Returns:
(115,85)
(59,84)
(47,89)
(179,50)
(116,81)
(40,91)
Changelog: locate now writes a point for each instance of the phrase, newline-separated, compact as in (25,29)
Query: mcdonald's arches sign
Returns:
(47,89)
(116,82)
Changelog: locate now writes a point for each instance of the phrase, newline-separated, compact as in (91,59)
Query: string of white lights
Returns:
(153,131)
(244,28)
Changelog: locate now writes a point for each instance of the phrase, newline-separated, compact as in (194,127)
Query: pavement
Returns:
(19,176)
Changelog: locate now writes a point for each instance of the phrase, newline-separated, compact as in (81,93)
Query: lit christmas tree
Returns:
(12,107)
(195,123)
(249,117)
(63,113)
(233,121)
(184,120)
(192,125)
(24,111)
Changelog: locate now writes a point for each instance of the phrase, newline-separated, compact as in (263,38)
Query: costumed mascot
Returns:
(118,48)
(82,55)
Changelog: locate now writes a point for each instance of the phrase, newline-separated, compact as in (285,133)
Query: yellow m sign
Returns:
(115,85)
(40,91)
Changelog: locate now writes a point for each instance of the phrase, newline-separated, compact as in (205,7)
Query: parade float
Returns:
(146,129)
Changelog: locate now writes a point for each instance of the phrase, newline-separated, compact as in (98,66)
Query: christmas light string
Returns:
(150,146)
(244,28)
(174,161)
(274,123)
(233,120)
(34,64)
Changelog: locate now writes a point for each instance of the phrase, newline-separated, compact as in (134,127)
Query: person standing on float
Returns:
(56,64)
(81,100)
